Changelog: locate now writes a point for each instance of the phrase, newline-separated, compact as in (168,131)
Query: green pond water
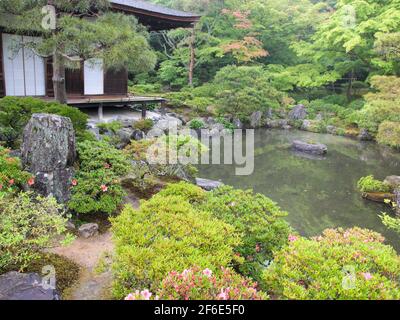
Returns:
(318,193)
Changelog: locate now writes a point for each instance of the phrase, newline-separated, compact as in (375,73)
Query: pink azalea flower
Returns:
(223,295)
(74,182)
(107,166)
(185,273)
(130,297)
(207,272)
(1,186)
(104,188)
(146,294)
(367,275)
(11,182)
(31,182)
(258,248)
(293,238)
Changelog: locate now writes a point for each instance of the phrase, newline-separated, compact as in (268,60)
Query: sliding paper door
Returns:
(94,77)
(24,71)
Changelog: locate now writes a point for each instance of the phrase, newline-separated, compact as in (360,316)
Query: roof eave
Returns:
(132,10)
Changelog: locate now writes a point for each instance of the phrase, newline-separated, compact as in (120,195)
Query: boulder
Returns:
(238,124)
(138,135)
(313,148)
(49,152)
(299,112)
(277,124)
(269,114)
(331,129)
(397,200)
(25,286)
(365,135)
(256,119)
(89,230)
(124,136)
(319,117)
(208,185)
(393,181)
(167,123)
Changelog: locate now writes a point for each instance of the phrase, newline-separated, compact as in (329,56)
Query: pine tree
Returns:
(73,31)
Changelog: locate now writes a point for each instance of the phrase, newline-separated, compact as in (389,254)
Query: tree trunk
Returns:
(192,58)
(350,86)
(60,90)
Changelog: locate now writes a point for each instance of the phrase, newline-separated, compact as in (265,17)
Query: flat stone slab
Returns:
(25,286)
(208,185)
(89,230)
(313,148)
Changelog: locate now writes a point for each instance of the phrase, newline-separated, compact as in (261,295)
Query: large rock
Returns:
(89,230)
(365,135)
(256,119)
(167,123)
(49,152)
(381,197)
(29,286)
(397,200)
(299,112)
(313,148)
(237,123)
(208,185)
(393,181)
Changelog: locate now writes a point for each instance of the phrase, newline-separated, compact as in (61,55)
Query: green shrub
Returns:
(16,112)
(257,218)
(188,191)
(339,265)
(112,126)
(165,234)
(12,178)
(370,184)
(137,150)
(145,89)
(197,124)
(144,125)
(99,155)
(98,191)
(389,134)
(28,224)
(97,186)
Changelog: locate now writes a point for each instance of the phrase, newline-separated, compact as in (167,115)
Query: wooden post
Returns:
(101,115)
(163,109)
(144,110)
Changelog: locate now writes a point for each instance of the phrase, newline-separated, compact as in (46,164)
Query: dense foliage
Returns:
(16,112)
(167,233)
(96,187)
(340,264)
(370,184)
(28,224)
(12,178)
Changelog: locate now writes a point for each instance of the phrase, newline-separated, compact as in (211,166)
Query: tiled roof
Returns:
(151,7)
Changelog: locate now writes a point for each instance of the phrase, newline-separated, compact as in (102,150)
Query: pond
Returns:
(318,193)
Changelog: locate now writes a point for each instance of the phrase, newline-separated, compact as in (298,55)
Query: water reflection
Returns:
(318,192)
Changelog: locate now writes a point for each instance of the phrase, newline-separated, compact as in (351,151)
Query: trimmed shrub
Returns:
(144,125)
(197,284)
(97,187)
(197,124)
(28,224)
(370,184)
(257,218)
(339,265)
(12,178)
(389,134)
(112,126)
(15,113)
(167,233)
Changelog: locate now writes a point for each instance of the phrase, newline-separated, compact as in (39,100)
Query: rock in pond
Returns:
(208,185)
(89,230)
(393,181)
(397,200)
(299,112)
(365,135)
(25,286)
(49,152)
(378,196)
(313,148)
(256,119)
